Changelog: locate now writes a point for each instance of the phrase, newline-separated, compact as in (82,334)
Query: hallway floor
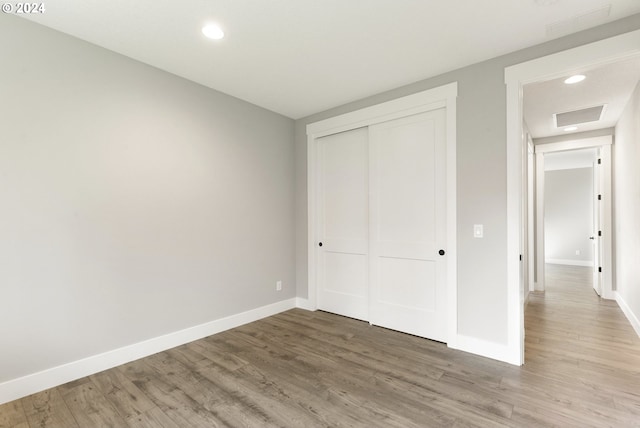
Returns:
(582,350)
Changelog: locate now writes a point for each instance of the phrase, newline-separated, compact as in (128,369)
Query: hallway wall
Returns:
(568,216)
(626,155)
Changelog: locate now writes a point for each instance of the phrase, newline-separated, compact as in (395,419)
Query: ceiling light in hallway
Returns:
(213,31)
(575,79)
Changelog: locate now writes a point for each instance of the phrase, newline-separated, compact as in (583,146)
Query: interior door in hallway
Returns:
(597,228)
(408,224)
(343,222)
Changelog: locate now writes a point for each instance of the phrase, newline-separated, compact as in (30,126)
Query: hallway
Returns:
(582,348)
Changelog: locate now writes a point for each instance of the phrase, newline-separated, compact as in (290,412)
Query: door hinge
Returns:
(600,269)
(599,233)
(520,257)
(599,197)
(599,161)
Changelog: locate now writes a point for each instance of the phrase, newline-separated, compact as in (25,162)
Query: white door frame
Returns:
(604,144)
(609,50)
(432,99)
(526,210)
(530,229)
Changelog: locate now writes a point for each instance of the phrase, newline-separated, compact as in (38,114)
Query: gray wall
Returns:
(133,203)
(482,185)
(627,205)
(568,220)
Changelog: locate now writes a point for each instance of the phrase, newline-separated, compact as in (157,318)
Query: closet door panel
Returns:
(407,229)
(343,258)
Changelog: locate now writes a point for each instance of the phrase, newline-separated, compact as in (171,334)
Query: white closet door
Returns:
(343,217)
(408,225)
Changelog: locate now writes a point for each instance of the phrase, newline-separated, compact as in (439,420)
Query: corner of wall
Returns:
(36,382)
(633,319)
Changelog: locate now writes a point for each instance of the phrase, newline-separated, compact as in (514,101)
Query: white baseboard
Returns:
(587,263)
(484,348)
(496,351)
(36,382)
(304,304)
(633,319)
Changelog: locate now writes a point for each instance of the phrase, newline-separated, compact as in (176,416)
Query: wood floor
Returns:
(314,369)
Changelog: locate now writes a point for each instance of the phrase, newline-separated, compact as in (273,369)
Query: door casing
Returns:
(613,49)
(605,241)
(432,99)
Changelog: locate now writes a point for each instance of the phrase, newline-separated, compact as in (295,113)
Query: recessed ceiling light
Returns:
(213,31)
(575,79)
(570,128)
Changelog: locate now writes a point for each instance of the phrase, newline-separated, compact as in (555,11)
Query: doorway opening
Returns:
(547,69)
(573,199)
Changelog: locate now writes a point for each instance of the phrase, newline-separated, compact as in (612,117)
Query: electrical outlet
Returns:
(278,285)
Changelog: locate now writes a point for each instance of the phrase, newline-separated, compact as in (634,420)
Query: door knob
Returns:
(592,238)
(441,252)
(319,244)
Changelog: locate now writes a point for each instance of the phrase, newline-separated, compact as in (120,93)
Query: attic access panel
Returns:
(576,117)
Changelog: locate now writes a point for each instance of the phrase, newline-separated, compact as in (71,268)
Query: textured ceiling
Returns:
(298,57)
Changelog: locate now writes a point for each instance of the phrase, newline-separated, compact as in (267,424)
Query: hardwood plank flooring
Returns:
(314,369)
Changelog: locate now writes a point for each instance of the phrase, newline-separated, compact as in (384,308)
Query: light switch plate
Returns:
(478,231)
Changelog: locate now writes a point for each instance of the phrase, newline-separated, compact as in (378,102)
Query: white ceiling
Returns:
(610,84)
(299,57)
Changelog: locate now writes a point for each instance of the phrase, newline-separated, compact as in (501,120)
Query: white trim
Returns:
(635,322)
(515,310)
(570,262)
(419,102)
(440,97)
(606,222)
(304,304)
(531,214)
(604,51)
(30,384)
(604,144)
(539,195)
(582,143)
(452,223)
(312,187)
(497,351)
